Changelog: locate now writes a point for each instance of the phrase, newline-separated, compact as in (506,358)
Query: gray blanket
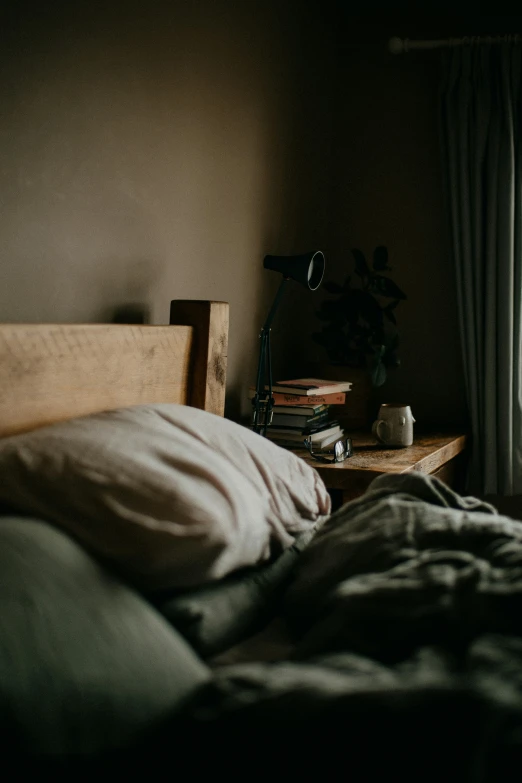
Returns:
(407,608)
(409,563)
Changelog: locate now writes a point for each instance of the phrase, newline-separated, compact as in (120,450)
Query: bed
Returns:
(175,593)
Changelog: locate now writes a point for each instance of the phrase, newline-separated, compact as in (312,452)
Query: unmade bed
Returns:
(174,590)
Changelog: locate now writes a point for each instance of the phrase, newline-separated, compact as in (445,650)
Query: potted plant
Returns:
(359,323)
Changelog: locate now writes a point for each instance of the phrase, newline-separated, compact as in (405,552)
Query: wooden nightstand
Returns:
(441,455)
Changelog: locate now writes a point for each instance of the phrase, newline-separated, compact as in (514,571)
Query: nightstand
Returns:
(442,455)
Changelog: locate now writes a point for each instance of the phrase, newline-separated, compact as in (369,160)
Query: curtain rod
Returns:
(405,45)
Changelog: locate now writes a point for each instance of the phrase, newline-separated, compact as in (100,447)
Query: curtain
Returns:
(481,132)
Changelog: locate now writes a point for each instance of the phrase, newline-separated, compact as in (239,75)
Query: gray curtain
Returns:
(481,103)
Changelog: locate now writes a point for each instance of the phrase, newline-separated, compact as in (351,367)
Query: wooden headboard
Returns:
(52,372)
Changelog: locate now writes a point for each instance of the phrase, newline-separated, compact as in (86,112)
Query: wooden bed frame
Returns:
(52,372)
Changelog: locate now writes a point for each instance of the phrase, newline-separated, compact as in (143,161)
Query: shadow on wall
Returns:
(236,408)
(131,313)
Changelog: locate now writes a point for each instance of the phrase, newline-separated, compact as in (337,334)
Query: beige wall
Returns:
(157,151)
(150,152)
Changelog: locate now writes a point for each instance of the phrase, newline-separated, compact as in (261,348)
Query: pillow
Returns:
(87,666)
(172,496)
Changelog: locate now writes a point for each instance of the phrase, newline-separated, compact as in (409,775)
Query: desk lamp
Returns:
(308,270)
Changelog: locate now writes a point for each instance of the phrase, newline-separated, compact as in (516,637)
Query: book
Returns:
(324,424)
(318,445)
(299,422)
(317,436)
(291,400)
(311,386)
(323,444)
(300,410)
(295,416)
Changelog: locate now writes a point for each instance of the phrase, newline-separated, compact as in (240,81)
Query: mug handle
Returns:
(376,429)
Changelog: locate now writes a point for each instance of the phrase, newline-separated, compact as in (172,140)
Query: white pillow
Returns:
(171,495)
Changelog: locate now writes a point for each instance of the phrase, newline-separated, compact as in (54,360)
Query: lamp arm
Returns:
(265,363)
(275,305)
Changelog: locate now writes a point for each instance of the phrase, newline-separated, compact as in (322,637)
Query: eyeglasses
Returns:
(342,449)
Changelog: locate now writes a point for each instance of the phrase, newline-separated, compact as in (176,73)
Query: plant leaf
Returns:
(380,258)
(361,267)
(390,316)
(378,374)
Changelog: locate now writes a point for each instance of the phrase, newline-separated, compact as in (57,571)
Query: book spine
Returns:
(298,412)
(305,429)
(338,398)
(319,433)
(299,422)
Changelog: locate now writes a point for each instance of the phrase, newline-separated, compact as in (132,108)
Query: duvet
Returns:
(405,611)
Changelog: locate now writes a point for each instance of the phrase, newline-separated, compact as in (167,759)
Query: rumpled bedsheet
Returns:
(409,563)
(407,610)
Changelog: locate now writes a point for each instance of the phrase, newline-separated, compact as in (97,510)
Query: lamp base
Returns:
(262,405)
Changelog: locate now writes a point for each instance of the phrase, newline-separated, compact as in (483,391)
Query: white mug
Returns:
(394,426)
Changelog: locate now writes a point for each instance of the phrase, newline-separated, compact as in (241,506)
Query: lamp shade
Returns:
(307,269)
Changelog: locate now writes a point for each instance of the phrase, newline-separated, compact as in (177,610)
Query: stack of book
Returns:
(302,410)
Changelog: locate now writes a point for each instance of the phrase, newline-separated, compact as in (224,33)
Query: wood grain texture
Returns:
(208,372)
(52,372)
(428,454)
